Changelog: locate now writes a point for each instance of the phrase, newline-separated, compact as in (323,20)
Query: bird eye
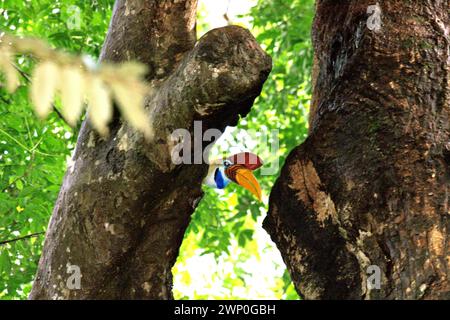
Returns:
(227,163)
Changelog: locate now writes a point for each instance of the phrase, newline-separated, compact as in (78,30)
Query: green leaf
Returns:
(19,184)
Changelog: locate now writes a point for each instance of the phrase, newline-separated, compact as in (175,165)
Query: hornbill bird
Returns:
(239,169)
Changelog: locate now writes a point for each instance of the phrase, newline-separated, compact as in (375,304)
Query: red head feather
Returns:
(249,160)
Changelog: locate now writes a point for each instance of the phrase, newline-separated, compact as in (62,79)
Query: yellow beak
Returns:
(246,179)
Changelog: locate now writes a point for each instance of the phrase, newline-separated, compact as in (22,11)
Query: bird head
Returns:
(239,169)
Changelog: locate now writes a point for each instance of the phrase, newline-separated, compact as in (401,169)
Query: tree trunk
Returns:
(370,185)
(124,206)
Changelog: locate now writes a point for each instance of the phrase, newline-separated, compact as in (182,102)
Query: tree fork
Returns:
(123,207)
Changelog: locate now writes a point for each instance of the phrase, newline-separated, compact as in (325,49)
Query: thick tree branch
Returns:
(123,207)
(154,32)
(217,82)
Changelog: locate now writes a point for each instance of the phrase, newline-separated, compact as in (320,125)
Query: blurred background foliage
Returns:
(226,253)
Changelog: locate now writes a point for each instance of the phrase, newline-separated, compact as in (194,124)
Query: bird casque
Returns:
(239,169)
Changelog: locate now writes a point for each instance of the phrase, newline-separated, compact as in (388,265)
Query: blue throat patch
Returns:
(218,178)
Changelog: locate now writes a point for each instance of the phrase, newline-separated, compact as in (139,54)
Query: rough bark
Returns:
(123,207)
(370,185)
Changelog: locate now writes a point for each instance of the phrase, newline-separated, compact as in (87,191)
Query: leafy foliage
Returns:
(33,153)
(225,235)
(76,82)
(229,220)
